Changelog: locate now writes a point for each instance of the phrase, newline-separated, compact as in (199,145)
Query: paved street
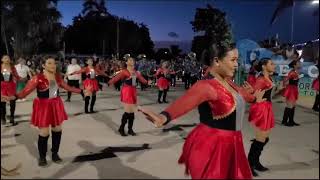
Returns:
(92,148)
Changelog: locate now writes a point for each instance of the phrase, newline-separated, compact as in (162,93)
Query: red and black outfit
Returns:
(214,149)
(291,93)
(90,80)
(252,76)
(261,116)
(164,77)
(128,95)
(48,109)
(315,86)
(8,88)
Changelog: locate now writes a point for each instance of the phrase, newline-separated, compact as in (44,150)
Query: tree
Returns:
(213,24)
(94,8)
(163,54)
(175,50)
(28,24)
(91,32)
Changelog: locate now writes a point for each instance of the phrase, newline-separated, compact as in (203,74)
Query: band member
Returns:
(91,72)
(291,94)
(128,94)
(214,149)
(48,109)
(8,78)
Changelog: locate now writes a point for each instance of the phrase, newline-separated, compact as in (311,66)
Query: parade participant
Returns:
(195,73)
(252,73)
(214,149)
(143,69)
(315,87)
(163,83)
(73,80)
(117,68)
(8,78)
(261,115)
(128,94)
(187,69)
(91,72)
(23,72)
(48,109)
(291,94)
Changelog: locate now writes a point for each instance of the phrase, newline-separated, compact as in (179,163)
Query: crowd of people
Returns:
(209,86)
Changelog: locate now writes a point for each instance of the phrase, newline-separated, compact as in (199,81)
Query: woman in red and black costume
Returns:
(91,83)
(48,108)
(163,75)
(8,77)
(291,93)
(252,73)
(129,76)
(214,149)
(261,114)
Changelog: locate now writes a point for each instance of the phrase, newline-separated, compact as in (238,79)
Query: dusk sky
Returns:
(249,18)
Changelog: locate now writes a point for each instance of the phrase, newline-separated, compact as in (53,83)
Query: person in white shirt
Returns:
(23,72)
(73,80)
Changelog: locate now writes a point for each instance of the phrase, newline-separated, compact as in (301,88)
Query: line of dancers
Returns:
(214,149)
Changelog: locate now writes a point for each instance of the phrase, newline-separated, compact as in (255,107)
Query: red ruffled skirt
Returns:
(261,115)
(210,153)
(91,82)
(48,112)
(251,79)
(315,84)
(129,94)
(291,93)
(8,88)
(163,83)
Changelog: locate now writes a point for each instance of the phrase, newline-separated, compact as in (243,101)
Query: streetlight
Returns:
(315,2)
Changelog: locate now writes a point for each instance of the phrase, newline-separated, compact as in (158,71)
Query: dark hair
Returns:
(44,59)
(216,50)
(292,64)
(262,62)
(252,62)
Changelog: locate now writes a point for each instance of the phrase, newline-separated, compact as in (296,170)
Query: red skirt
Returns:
(210,153)
(251,79)
(8,88)
(48,112)
(129,94)
(291,93)
(91,82)
(261,115)
(315,84)
(163,83)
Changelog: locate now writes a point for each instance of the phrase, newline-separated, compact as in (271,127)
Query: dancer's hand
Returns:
(12,98)
(88,90)
(247,87)
(157,119)
(4,98)
(149,82)
(259,95)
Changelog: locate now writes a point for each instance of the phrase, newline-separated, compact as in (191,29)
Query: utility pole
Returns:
(117,55)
